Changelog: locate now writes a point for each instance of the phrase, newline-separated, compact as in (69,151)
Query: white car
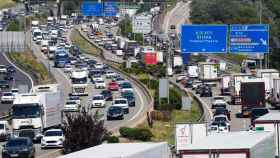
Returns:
(75,98)
(53,138)
(4,128)
(68,68)
(100,84)
(95,78)
(219,127)
(218,100)
(99,66)
(3,69)
(71,106)
(195,84)
(181,77)
(7,97)
(123,103)
(110,74)
(15,91)
(98,101)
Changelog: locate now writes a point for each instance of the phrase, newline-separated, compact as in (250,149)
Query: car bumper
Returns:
(71,110)
(52,145)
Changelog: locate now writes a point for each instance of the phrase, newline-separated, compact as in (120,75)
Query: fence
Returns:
(11,41)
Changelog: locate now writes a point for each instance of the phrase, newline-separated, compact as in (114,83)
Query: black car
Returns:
(222,111)
(4,84)
(206,91)
(115,112)
(107,95)
(258,112)
(19,147)
(11,69)
(8,77)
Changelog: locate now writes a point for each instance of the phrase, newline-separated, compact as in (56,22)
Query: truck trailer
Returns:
(234,86)
(33,113)
(268,75)
(242,144)
(208,71)
(275,94)
(270,122)
(252,95)
(225,79)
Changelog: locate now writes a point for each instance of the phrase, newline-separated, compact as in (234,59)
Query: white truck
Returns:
(160,57)
(79,82)
(193,71)
(270,122)
(268,75)
(177,61)
(51,52)
(208,71)
(50,20)
(225,79)
(32,113)
(235,86)
(34,24)
(275,94)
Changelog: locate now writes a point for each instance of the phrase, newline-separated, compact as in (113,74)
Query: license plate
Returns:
(14,155)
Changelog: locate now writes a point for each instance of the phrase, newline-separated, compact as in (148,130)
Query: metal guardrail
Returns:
(139,84)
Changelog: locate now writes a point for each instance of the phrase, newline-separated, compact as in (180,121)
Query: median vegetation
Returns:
(85,46)
(7,4)
(27,61)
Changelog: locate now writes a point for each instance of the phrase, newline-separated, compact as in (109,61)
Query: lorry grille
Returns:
(27,133)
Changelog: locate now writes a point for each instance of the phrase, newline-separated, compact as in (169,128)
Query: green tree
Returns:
(83,131)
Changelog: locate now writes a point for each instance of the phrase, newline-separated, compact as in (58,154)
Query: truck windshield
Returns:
(37,34)
(26,111)
(251,65)
(2,126)
(79,80)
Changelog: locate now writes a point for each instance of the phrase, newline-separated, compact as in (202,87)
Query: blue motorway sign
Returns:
(110,9)
(249,38)
(204,38)
(92,8)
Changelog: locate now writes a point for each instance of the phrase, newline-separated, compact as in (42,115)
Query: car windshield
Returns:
(98,97)
(53,133)
(16,142)
(259,112)
(218,98)
(115,109)
(7,94)
(79,80)
(126,85)
(99,81)
(220,119)
(120,101)
(70,102)
(26,111)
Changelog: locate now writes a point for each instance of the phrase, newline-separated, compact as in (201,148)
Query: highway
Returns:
(20,78)
(178,16)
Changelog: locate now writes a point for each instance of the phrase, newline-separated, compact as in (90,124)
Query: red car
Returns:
(113,86)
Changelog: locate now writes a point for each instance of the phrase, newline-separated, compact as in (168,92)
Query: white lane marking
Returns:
(26,74)
(141,105)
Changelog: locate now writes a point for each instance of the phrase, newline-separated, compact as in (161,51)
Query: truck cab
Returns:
(79,82)
(248,66)
(26,116)
(37,35)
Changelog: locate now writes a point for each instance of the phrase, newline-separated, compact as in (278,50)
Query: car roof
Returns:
(51,130)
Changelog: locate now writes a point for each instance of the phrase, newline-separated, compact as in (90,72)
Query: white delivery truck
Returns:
(37,35)
(34,24)
(50,20)
(225,79)
(32,113)
(79,82)
(275,94)
(51,52)
(119,52)
(270,122)
(193,71)
(169,71)
(121,42)
(268,75)
(235,86)
(160,57)
(208,71)
(177,61)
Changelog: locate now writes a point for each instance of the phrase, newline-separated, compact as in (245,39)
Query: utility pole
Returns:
(260,21)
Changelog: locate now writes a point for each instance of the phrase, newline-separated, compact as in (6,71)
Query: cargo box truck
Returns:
(234,86)
(225,79)
(275,94)
(208,71)
(268,75)
(35,112)
(252,95)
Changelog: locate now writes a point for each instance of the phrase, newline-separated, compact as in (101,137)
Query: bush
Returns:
(142,134)
(113,139)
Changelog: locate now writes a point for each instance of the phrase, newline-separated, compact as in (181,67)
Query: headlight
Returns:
(43,141)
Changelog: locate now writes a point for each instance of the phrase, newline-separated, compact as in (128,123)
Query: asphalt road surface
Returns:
(19,79)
